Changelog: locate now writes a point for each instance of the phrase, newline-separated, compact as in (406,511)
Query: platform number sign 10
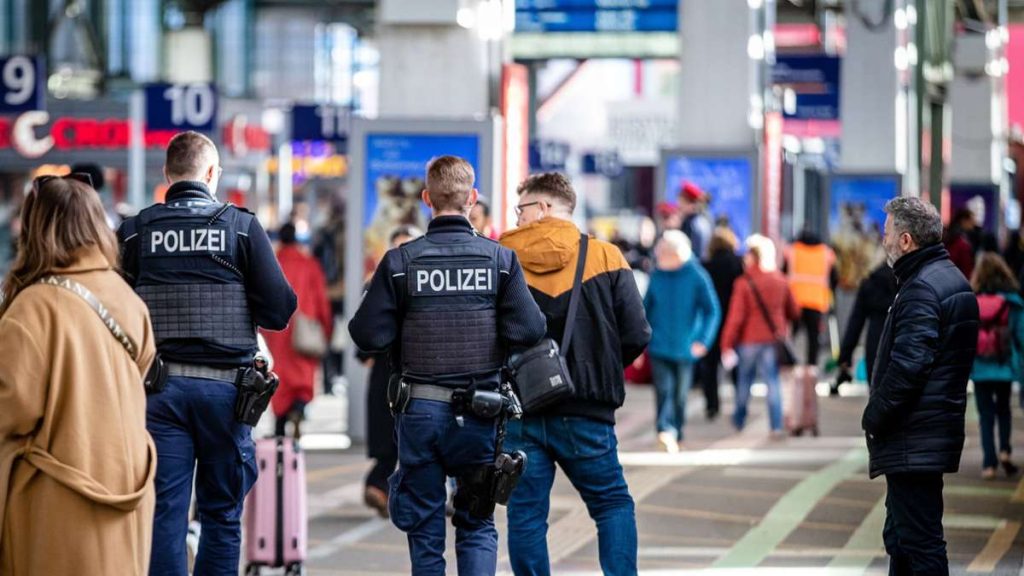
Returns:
(21,84)
(181,107)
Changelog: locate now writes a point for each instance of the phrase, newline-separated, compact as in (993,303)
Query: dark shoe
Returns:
(1010,468)
(377,499)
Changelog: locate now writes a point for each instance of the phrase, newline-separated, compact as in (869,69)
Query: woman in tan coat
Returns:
(76,463)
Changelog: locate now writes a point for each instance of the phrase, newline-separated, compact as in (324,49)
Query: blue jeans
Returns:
(754,360)
(193,425)
(431,447)
(993,401)
(585,450)
(672,381)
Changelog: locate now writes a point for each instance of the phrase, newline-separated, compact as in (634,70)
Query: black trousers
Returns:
(913,525)
(383,467)
(811,321)
(707,375)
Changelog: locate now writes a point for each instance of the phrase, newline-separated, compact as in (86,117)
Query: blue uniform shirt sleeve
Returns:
(374,326)
(271,299)
(520,321)
(128,242)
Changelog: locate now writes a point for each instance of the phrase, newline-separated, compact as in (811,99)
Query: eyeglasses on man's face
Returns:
(521,207)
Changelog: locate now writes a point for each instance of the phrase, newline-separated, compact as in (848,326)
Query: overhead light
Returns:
(900,58)
(755,47)
(899,19)
(466,17)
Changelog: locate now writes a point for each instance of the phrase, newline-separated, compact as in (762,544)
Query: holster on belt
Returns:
(255,388)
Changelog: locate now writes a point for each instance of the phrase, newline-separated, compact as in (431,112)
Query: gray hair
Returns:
(915,217)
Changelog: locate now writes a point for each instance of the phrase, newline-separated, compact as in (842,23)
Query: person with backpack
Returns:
(998,360)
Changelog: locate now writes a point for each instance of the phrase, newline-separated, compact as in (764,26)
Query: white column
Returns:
(978,120)
(714,99)
(436,57)
(868,105)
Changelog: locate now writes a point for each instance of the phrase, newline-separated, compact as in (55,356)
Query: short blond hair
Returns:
(449,182)
(188,154)
(764,249)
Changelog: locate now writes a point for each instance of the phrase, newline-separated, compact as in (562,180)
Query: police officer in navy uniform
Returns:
(208,273)
(450,306)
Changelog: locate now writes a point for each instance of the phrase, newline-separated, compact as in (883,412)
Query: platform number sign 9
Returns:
(181,107)
(21,84)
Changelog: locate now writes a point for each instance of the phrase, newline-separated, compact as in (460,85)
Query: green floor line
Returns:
(867,537)
(789,512)
(983,491)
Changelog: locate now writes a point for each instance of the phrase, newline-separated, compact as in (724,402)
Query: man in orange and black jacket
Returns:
(579,434)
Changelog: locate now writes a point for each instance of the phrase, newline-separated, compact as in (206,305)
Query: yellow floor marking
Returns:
(1018,496)
(325,473)
(998,544)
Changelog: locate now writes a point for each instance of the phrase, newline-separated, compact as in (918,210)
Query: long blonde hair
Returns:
(59,218)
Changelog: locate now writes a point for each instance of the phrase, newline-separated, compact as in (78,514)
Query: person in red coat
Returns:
(295,370)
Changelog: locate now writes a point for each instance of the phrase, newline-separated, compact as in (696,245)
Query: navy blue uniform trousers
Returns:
(193,425)
(431,447)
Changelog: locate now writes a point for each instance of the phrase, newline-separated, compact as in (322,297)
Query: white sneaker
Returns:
(667,440)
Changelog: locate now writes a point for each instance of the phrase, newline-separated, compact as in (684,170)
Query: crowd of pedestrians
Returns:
(943,310)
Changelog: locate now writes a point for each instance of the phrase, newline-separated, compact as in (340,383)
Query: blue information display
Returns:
(593,4)
(857,202)
(320,122)
(181,107)
(728,180)
(981,199)
(810,86)
(548,155)
(624,20)
(396,165)
(22,86)
(607,164)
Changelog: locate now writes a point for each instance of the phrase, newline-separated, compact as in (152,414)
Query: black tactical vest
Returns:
(450,328)
(190,277)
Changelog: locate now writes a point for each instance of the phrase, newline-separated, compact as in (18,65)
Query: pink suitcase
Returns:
(275,510)
(803,412)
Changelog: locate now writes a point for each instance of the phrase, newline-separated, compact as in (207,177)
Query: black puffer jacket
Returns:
(915,416)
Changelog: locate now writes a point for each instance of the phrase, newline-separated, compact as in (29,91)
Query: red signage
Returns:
(240,137)
(515,101)
(1015,76)
(770,224)
(29,135)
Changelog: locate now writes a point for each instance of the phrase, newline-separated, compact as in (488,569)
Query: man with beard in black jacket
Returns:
(914,419)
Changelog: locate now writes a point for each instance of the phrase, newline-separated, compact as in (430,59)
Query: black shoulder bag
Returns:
(784,354)
(156,377)
(541,374)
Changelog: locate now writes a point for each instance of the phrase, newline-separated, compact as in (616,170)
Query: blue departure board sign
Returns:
(597,15)
(22,84)
(181,106)
(810,85)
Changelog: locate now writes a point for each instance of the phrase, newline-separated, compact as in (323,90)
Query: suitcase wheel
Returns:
(296,570)
(252,570)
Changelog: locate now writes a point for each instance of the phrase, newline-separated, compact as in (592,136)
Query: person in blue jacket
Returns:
(998,360)
(684,315)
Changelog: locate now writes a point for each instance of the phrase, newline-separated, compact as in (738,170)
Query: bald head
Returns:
(192,156)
